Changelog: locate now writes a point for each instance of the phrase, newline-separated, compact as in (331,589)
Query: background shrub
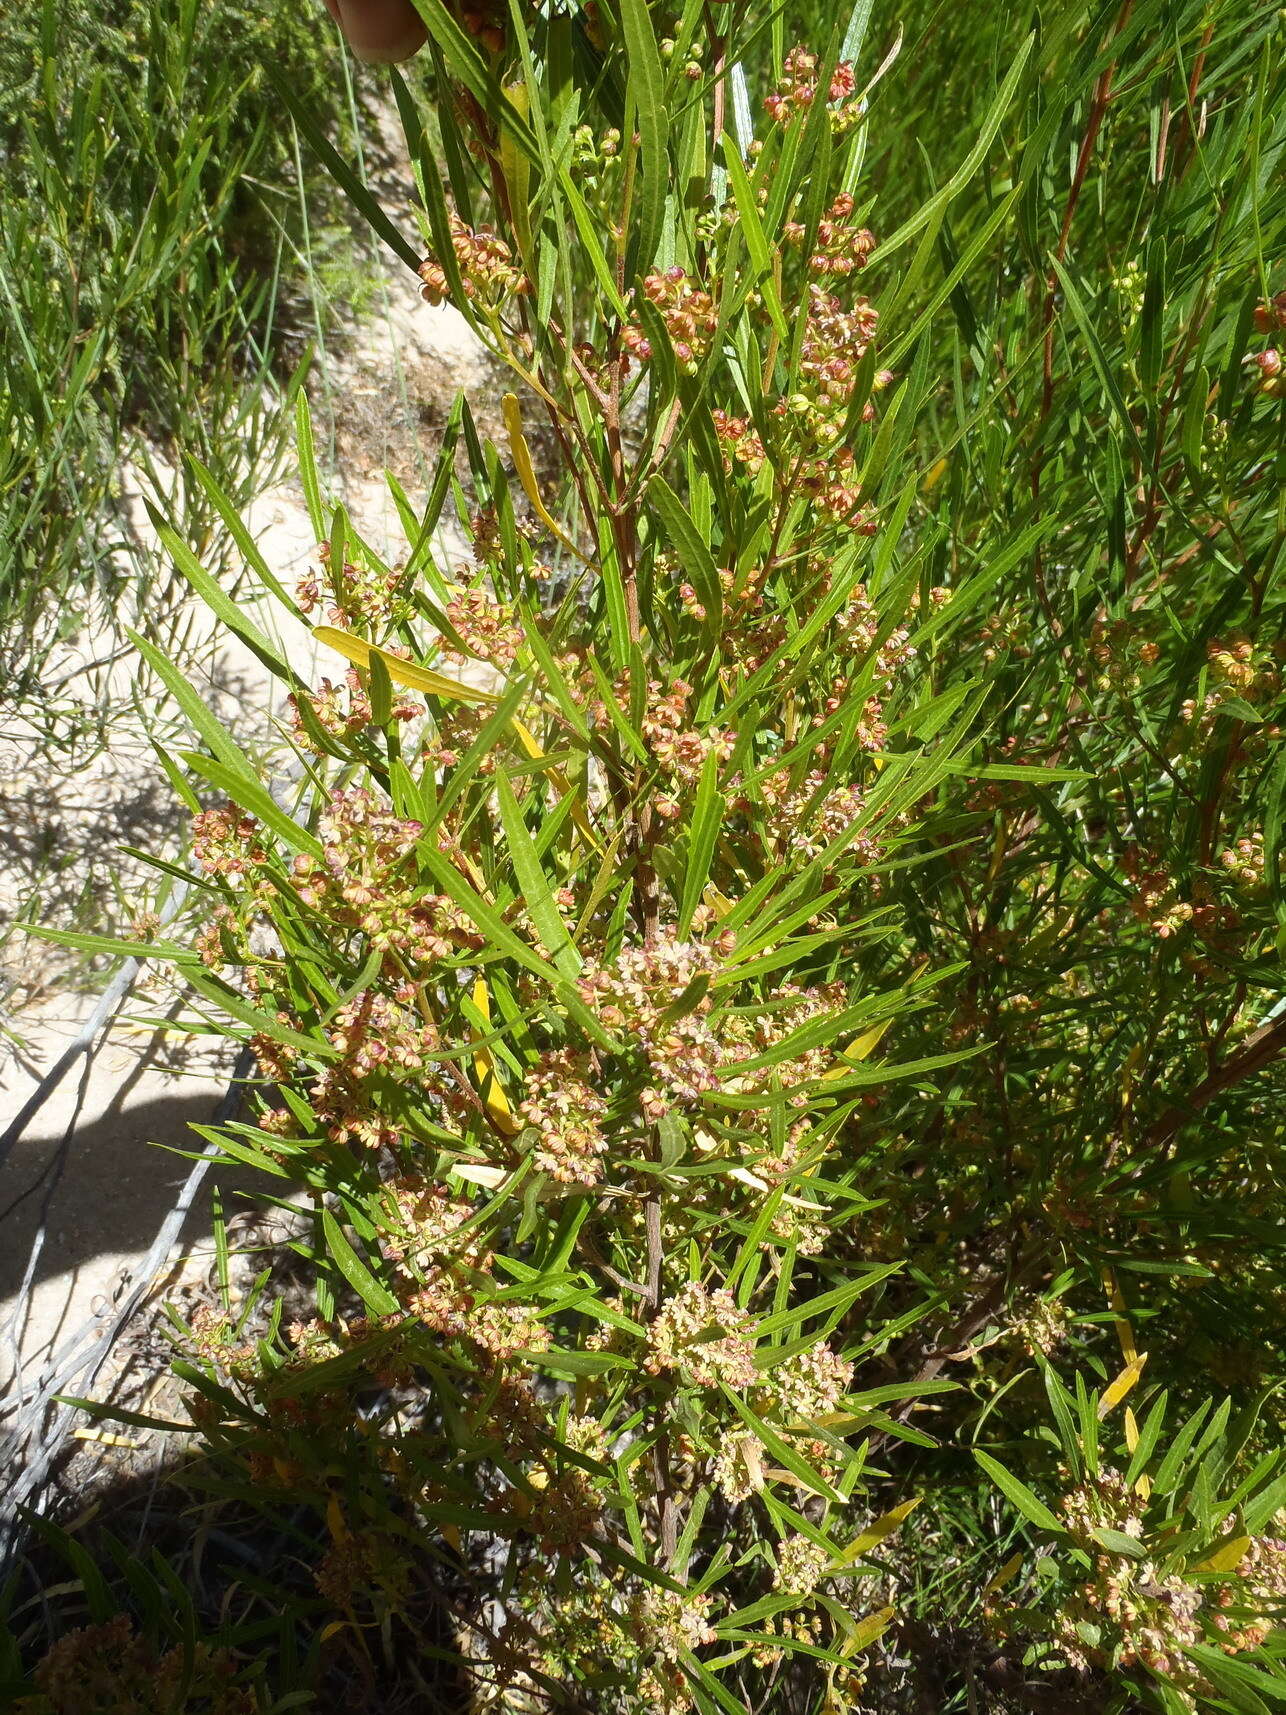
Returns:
(771,984)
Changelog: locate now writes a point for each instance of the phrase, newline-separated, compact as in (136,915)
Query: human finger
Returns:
(379,29)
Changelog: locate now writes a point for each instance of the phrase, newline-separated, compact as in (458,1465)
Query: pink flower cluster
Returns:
(797,90)
(689,314)
(226,841)
(357,595)
(341,713)
(485,626)
(369,880)
(487,269)
(567,1114)
(838,248)
(706,1336)
(635,998)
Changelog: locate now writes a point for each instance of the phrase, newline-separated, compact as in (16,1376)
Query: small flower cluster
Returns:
(635,997)
(738,1469)
(1237,670)
(689,314)
(691,67)
(359,1563)
(109,1667)
(1270,318)
(748,1035)
(1149,1615)
(1233,662)
(358,596)
(835,342)
(426,1219)
(1252,1611)
(801,1566)
(802,1626)
(810,1385)
(797,90)
(810,423)
(1272,381)
(838,248)
(445,1280)
(704,1335)
(1120,654)
(681,750)
(1042,1327)
(1146,1614)
(591,155)
(368,879)
(1154,1615)
(457,1309)
(567,1114)
(1104,1501)
(212,1337)
(341,713)
(488,271)
(377,1036)
(858,622)
(631,1644)
(1156,900)
(567,1508)
(806,817)
(485,626)
(226,842)
(673,1623)
(799,1394)
(1245,861)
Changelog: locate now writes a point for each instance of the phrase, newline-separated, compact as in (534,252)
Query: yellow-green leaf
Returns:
(1227,1557)
(1122,1385)
(361,653)
(876,1532)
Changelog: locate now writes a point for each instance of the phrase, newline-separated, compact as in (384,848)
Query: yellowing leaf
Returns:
(335,1519)
(861,1047)
(527,739)
(1006,1573)
(1124,1332)
(104,1438)
(1143,1483)
(361,653)
(329,1630)
(865,1632)
(875,1533)
(527,475)
(490,1088)
(1227,1557)
(933,476)
(480,1173)
(1122,1385)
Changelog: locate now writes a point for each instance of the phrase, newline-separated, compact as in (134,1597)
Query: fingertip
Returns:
(380,31)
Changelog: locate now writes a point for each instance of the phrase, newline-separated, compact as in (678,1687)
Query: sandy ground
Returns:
(97,1167)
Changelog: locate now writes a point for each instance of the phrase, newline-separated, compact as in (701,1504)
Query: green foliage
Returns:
(773,986)
(147,202)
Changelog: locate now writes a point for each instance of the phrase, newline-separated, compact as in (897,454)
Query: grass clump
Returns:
(146,245)
(771,984)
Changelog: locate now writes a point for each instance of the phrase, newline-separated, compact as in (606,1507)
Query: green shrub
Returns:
(770,985)
(147,200)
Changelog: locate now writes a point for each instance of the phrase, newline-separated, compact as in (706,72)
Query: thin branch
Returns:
(1259,1050)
